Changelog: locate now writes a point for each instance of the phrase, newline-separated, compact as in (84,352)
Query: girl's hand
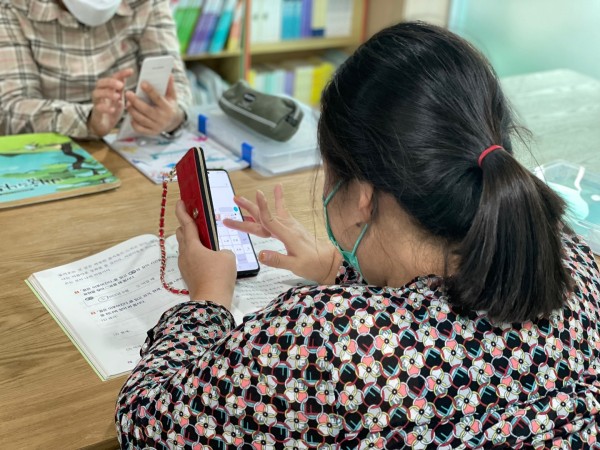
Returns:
(209,275)
(307,257)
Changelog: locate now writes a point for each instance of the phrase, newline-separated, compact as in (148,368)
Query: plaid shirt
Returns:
(49,62)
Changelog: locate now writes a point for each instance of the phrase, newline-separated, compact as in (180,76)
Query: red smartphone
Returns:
(194,190)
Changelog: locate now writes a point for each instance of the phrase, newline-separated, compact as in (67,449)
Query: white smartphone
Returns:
(155,71)
(221,192)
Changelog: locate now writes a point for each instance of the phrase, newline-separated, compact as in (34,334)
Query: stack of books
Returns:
(208,26)
(301,79)
(276,20)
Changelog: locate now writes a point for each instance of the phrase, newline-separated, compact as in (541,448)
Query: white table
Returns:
(562,110)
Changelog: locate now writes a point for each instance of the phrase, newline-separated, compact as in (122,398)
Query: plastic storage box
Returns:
(580,188)
(265,155)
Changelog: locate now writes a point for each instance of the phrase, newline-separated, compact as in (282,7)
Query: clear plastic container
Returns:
(265,155)
(580,188)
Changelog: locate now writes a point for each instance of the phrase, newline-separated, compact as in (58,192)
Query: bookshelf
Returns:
(235,64)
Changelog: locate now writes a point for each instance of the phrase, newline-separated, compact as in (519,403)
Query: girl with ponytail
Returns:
(452,307)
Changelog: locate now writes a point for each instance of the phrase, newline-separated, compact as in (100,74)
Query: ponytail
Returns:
(510,260)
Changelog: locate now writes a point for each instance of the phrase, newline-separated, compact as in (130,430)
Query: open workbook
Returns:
(106,303)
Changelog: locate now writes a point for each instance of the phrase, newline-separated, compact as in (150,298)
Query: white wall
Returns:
(521,36)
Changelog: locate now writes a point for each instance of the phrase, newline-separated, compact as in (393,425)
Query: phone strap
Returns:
(161,238)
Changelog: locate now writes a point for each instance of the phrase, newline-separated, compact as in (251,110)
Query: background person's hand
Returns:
(209,275)
(307,257)
(107,98)
(163,115)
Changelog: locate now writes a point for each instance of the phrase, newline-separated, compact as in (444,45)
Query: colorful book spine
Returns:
(288,84)
(211,24)
(318,18)
(188,10)
(287,19)
(223,25)
(272,22)
(235,34)
(200,30)
(322,73)
(306,18)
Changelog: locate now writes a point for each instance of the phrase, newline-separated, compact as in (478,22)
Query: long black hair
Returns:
(410,112)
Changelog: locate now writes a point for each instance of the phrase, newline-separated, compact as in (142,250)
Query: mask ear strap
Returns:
(333,192)
(161,237)
(360,236)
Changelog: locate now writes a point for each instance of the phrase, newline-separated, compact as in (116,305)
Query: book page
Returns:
(252,294)
(107,302)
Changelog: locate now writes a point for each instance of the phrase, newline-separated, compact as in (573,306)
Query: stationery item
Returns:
(41,167)
(156,157)
(107,302)
(265,155)
(275,117)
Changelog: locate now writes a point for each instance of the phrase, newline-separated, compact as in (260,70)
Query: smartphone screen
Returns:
(224,207)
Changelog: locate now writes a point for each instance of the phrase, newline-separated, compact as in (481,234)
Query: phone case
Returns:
(195,193)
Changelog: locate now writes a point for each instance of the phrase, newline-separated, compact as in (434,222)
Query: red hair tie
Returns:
(487,151)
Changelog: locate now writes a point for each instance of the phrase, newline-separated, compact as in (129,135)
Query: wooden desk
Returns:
(50,397)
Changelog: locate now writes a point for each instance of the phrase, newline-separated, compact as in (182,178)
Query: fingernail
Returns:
(262,257)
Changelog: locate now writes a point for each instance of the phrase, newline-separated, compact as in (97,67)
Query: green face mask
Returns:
(349,257)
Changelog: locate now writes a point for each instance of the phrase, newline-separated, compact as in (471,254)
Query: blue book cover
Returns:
(47,166)
(306,18)
(287,19)
(297,20)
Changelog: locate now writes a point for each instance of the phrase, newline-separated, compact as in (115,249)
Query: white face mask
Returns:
(92,12)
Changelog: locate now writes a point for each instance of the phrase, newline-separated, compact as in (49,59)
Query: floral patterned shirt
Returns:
(356,366)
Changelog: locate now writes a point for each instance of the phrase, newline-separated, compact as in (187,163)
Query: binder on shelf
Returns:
(212,20)
(186,16)
(235,33)
(219,38)
(199,43)
(318,18)
(266,156)
(256,21)
(271,21)
(339,18)
(290,19)
(306,18)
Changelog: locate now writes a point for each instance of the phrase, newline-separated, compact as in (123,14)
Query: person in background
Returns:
(68,66)
(453,307)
